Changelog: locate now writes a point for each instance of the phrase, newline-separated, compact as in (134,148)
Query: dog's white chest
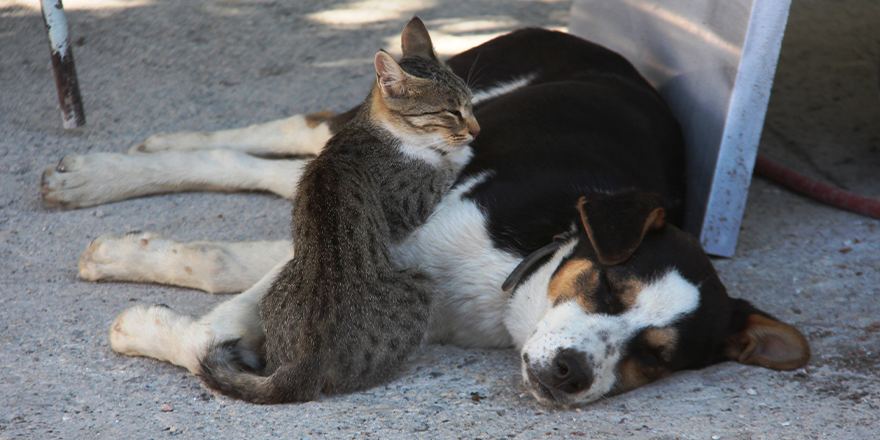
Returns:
(455,249)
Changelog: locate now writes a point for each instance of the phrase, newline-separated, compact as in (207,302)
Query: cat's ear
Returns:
(391,78)
(416,42)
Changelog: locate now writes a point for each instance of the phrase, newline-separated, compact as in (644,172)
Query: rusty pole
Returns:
(72,111)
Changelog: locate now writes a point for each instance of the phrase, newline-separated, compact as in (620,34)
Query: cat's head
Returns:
(419,100)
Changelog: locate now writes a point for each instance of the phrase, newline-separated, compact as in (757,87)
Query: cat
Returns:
(341,316)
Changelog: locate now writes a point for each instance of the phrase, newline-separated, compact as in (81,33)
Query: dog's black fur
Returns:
(587,118)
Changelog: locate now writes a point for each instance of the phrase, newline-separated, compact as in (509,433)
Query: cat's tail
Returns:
(234,371)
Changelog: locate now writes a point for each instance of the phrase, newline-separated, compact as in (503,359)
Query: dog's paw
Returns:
(182,141)
(121,257)
(160,333)
(136,331)
(78,181)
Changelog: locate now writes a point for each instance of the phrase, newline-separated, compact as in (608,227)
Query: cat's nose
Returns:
(473,128)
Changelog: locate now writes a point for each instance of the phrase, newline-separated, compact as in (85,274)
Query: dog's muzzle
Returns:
(565,375)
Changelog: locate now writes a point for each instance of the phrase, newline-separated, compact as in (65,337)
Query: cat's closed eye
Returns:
(455,113)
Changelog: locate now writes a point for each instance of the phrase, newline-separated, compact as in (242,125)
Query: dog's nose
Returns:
(571,372)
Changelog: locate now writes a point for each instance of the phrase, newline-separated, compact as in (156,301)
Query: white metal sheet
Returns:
(713,62)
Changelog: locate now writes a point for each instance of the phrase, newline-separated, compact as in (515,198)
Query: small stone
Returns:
(421,427)
(786,423)
(167,407)
(752,392)
(716,437)
(100,213)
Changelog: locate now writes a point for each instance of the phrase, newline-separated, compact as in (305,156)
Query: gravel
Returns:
(163,65)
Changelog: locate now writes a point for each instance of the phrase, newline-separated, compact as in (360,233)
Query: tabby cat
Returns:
(341,316)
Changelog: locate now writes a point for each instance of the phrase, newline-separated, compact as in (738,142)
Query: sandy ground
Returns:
(163,65)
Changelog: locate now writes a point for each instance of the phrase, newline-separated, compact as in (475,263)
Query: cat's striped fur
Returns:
(341,315)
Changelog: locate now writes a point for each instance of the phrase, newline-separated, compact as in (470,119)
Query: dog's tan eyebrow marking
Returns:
(575,279)
(631,374)
(627,289)
(662,339)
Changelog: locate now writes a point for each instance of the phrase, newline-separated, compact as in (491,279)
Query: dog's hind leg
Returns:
(296,135)
(87,180)
(160,333)
(216,267)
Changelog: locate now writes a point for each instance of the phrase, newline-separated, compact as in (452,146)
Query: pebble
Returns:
(752,392)
(421,427)
(716,437)
(167,407)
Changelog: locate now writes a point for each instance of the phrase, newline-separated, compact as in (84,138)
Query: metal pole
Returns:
(72,111)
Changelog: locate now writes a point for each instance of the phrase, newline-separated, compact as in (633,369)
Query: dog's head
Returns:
(629,299)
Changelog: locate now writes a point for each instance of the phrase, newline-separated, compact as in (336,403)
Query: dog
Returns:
(559,237)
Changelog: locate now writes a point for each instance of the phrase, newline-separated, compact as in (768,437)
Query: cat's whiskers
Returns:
(474,64)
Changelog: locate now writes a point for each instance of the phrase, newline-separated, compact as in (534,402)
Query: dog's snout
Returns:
(567,373)
(571,372)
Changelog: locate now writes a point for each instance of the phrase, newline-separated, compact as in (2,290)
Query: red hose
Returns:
(816,190)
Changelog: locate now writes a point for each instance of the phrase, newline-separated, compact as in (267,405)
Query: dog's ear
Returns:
(416,42)
(617,224)
(765,341)
(391,78)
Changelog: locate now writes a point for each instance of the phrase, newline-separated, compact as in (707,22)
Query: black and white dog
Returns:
(559,237)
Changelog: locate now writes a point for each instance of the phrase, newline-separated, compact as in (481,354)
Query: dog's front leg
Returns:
(160,333)
(93,179)
(296,135)
(215,267)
